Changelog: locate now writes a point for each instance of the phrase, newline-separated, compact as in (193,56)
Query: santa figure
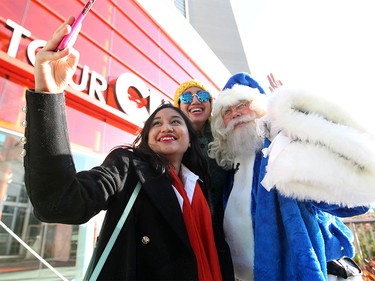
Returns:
(298,164)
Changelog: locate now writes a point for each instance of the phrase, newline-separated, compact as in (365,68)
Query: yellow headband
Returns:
(186,85)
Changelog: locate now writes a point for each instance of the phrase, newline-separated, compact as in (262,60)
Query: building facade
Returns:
(133,55)
(216,22)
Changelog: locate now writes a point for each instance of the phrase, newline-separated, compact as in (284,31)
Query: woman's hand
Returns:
(54,70)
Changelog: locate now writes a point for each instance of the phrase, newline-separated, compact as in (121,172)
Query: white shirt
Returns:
(189,181)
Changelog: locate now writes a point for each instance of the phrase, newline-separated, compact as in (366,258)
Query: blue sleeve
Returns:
(341,211)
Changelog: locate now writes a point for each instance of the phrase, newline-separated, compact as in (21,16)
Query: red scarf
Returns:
(198,223)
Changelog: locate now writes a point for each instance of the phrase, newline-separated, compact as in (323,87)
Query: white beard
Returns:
(244,139)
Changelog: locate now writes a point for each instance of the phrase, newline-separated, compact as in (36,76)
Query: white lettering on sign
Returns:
(15,40)
(155,100)
(97,89)
(123,83)
(140,105)
(85,74)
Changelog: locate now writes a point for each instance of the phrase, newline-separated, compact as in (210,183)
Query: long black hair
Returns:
(192,159)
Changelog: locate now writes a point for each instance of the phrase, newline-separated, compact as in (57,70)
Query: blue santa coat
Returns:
(294,239)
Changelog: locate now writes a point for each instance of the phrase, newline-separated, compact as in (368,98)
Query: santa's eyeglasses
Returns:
(202,96)
(236,108)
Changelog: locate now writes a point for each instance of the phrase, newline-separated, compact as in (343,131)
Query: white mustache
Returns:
(242,119)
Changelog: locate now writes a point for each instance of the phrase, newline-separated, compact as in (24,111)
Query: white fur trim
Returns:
(331,157)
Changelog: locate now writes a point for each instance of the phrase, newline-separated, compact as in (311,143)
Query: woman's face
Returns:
(169,135)
(198,112)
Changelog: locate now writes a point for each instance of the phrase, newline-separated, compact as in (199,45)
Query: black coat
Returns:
(61,195)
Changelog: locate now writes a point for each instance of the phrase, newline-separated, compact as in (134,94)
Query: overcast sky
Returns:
(327,46)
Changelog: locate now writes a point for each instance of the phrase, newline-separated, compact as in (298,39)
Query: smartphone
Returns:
(64,42)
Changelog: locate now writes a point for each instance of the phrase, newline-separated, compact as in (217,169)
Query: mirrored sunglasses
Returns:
(202,96)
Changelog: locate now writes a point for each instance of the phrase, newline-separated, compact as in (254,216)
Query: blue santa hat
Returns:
(243,78)
(240,87)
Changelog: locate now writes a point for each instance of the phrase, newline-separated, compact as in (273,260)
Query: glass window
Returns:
(181,5)
(12,98)
(56,244)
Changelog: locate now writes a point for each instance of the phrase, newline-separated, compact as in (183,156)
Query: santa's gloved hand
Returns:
(272,152)
(265,129)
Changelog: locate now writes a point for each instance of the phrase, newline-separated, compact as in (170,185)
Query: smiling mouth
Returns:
(196,110)
(167,139)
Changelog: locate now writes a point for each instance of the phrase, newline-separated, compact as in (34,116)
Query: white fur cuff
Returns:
(329,158)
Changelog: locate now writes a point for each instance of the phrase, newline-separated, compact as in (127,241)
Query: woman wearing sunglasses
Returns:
(195,100)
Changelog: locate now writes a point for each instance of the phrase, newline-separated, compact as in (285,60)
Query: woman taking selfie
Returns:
(168,234)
